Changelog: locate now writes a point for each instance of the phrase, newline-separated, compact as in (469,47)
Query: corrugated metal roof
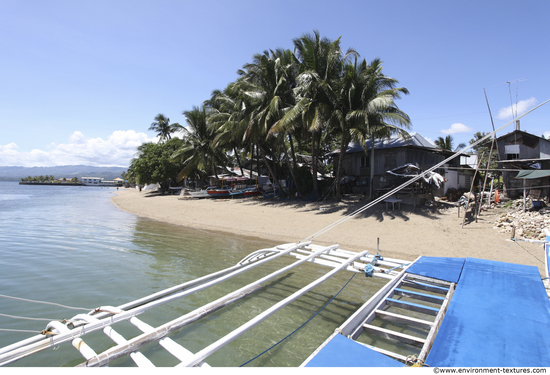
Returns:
(415,139)
(540,173)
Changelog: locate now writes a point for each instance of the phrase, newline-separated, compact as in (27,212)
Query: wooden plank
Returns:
(403,319)
(427,287)
(353,326)
(139,359)
(419,296)
(394,335)
(428,280)
(437,323)
(167,343)
(412,306)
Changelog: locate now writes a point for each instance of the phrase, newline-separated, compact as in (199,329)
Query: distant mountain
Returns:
(67,171)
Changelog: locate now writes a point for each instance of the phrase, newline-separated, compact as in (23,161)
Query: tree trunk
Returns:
(270,170)
(292,173)
(371,190)
(292,151)
(343,147)
(215,174)
(314,166)
(239,162)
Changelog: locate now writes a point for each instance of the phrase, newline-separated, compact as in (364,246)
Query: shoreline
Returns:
(404,233)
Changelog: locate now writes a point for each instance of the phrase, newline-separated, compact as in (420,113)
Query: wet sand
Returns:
(404,233)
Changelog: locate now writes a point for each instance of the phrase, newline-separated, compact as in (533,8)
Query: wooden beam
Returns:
(437,323)
(412,306)
(403,319)
(396,336)
(427,287)
(419,296)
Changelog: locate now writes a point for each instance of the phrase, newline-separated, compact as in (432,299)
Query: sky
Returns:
(82,81)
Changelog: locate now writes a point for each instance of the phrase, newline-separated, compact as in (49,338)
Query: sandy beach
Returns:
(404,233)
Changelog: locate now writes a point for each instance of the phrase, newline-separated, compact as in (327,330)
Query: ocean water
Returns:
(72,246)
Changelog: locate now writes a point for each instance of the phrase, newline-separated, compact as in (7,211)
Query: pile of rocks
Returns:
(529,224)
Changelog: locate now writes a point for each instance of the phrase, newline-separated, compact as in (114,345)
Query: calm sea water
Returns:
(71,245)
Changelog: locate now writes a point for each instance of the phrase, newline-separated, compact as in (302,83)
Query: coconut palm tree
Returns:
(224,120)
(268,82)
(163,128)
(320,66)
(378,116)
(198,153)
(447,143)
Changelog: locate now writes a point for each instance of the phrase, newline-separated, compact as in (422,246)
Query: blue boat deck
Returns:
(499,316)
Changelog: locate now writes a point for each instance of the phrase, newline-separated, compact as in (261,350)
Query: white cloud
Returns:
(117,150)
(546,135)
(512,111)
(457,128)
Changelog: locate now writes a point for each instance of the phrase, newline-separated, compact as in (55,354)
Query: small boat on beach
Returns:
(203,193)
(235,187)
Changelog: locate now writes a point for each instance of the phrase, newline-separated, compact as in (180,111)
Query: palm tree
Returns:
(377,116)
(163,128)
(223,119)
(447,143)
(198,153)
(320,66)
(267,83)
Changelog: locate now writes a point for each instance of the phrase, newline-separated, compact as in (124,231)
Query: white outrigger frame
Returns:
(104,317)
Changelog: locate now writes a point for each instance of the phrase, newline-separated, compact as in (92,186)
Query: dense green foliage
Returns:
(447,143)
(154,164)
(48,179)
(284,104)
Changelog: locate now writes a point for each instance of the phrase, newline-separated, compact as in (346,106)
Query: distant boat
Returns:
(202,193)
(252,192)
(222,192)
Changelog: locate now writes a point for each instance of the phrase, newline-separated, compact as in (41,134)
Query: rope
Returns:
(414,179)
(46,303)
(400,266)
(18,330)
(26,318)
(307,321)
(529,252)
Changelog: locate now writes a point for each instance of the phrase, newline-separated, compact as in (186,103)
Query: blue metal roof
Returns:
(415,140)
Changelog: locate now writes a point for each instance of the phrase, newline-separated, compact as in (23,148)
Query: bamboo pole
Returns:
(163,330)
(201,355)
(471,189)
(22,349)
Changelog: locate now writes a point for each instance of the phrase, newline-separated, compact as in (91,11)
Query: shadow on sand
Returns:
(348,206)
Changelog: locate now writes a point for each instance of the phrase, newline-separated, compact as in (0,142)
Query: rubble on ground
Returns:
(529,224)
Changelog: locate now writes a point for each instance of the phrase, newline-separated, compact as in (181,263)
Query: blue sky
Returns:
(81,81)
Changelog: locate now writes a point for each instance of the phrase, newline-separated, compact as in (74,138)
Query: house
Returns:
(461,177)
(521,151)
(93,181)
(390,154)
(98,181)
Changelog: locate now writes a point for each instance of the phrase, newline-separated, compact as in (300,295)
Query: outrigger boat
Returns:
(238,188)
(442,312)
